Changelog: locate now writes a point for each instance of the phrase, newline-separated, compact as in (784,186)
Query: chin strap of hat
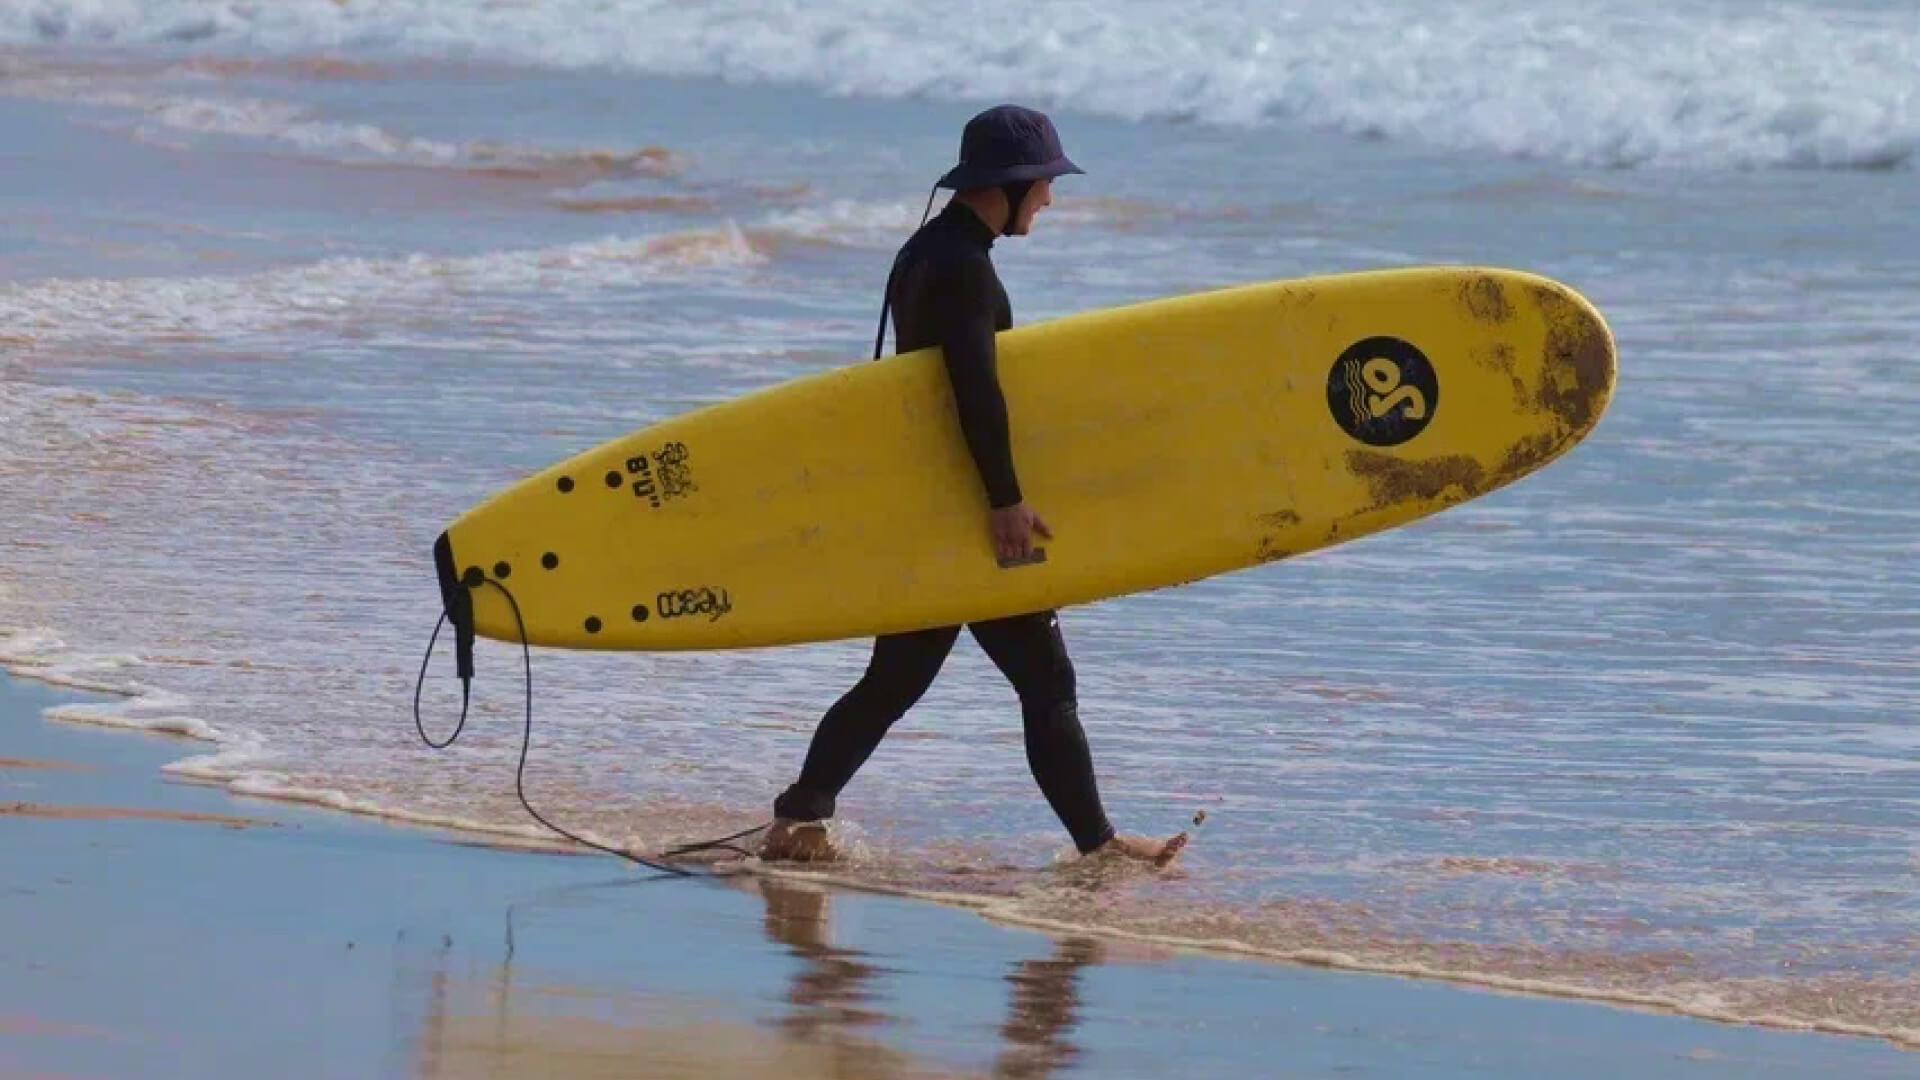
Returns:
(1016,193)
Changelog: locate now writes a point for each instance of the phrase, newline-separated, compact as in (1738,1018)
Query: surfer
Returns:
(943,291)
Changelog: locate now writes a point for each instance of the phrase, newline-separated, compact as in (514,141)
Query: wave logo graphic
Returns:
(1382,391)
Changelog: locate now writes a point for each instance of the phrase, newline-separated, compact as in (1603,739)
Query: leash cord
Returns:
(526,741)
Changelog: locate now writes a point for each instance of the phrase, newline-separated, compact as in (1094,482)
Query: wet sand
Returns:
(161,929)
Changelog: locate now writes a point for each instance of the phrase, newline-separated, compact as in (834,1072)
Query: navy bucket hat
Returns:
(1008,144)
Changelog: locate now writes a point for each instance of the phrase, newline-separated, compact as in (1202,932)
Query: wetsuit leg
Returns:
(901,669)
(1032,654)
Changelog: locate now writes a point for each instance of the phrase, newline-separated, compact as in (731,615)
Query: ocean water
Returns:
(288,286)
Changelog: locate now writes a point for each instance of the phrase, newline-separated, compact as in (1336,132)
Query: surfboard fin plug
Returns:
(457,601)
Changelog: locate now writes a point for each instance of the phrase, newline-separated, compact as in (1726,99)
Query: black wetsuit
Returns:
(944,292)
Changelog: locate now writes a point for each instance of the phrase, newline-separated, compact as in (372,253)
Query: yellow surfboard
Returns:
(1163,442)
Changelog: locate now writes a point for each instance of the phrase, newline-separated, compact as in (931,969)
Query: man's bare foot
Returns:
(1146,849)
(797,841)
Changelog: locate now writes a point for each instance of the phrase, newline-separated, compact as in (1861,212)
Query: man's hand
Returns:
(1014,528)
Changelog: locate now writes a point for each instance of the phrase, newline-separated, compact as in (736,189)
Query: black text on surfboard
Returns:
(707,600)
(666,476)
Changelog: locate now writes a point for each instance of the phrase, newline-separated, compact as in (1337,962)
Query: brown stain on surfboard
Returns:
(1499,357)
(1486,299)
(1271,547)
(1392,480)
(1579,367)
(1526,456)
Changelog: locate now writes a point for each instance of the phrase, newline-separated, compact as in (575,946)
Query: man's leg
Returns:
(1030,652)
(901,669)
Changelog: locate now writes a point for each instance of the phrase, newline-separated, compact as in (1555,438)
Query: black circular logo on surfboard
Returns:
(1382,391)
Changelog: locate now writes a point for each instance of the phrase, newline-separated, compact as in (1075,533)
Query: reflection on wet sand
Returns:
(832,991)
(834,1012)
(1044,1011)
(832,994)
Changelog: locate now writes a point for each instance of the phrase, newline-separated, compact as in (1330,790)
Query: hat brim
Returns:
(964,177)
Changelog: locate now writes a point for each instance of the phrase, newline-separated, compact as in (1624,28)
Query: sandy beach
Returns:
(161,929)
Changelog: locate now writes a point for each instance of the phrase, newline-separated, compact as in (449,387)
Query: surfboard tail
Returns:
(457,601)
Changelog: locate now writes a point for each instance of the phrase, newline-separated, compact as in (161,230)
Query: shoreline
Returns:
(532,838)
(291,904)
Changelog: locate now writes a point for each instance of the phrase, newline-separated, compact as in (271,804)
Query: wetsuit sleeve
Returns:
(962,301)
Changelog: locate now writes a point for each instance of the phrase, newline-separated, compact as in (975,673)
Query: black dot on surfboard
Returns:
(639,613)
(501,569)
(474,577)
(549,560)
(613,478)
(566,484)
(593,624)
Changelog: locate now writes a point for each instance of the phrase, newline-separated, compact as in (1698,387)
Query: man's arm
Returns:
(962,301)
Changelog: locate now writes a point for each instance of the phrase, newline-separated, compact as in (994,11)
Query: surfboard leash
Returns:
(464,660)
